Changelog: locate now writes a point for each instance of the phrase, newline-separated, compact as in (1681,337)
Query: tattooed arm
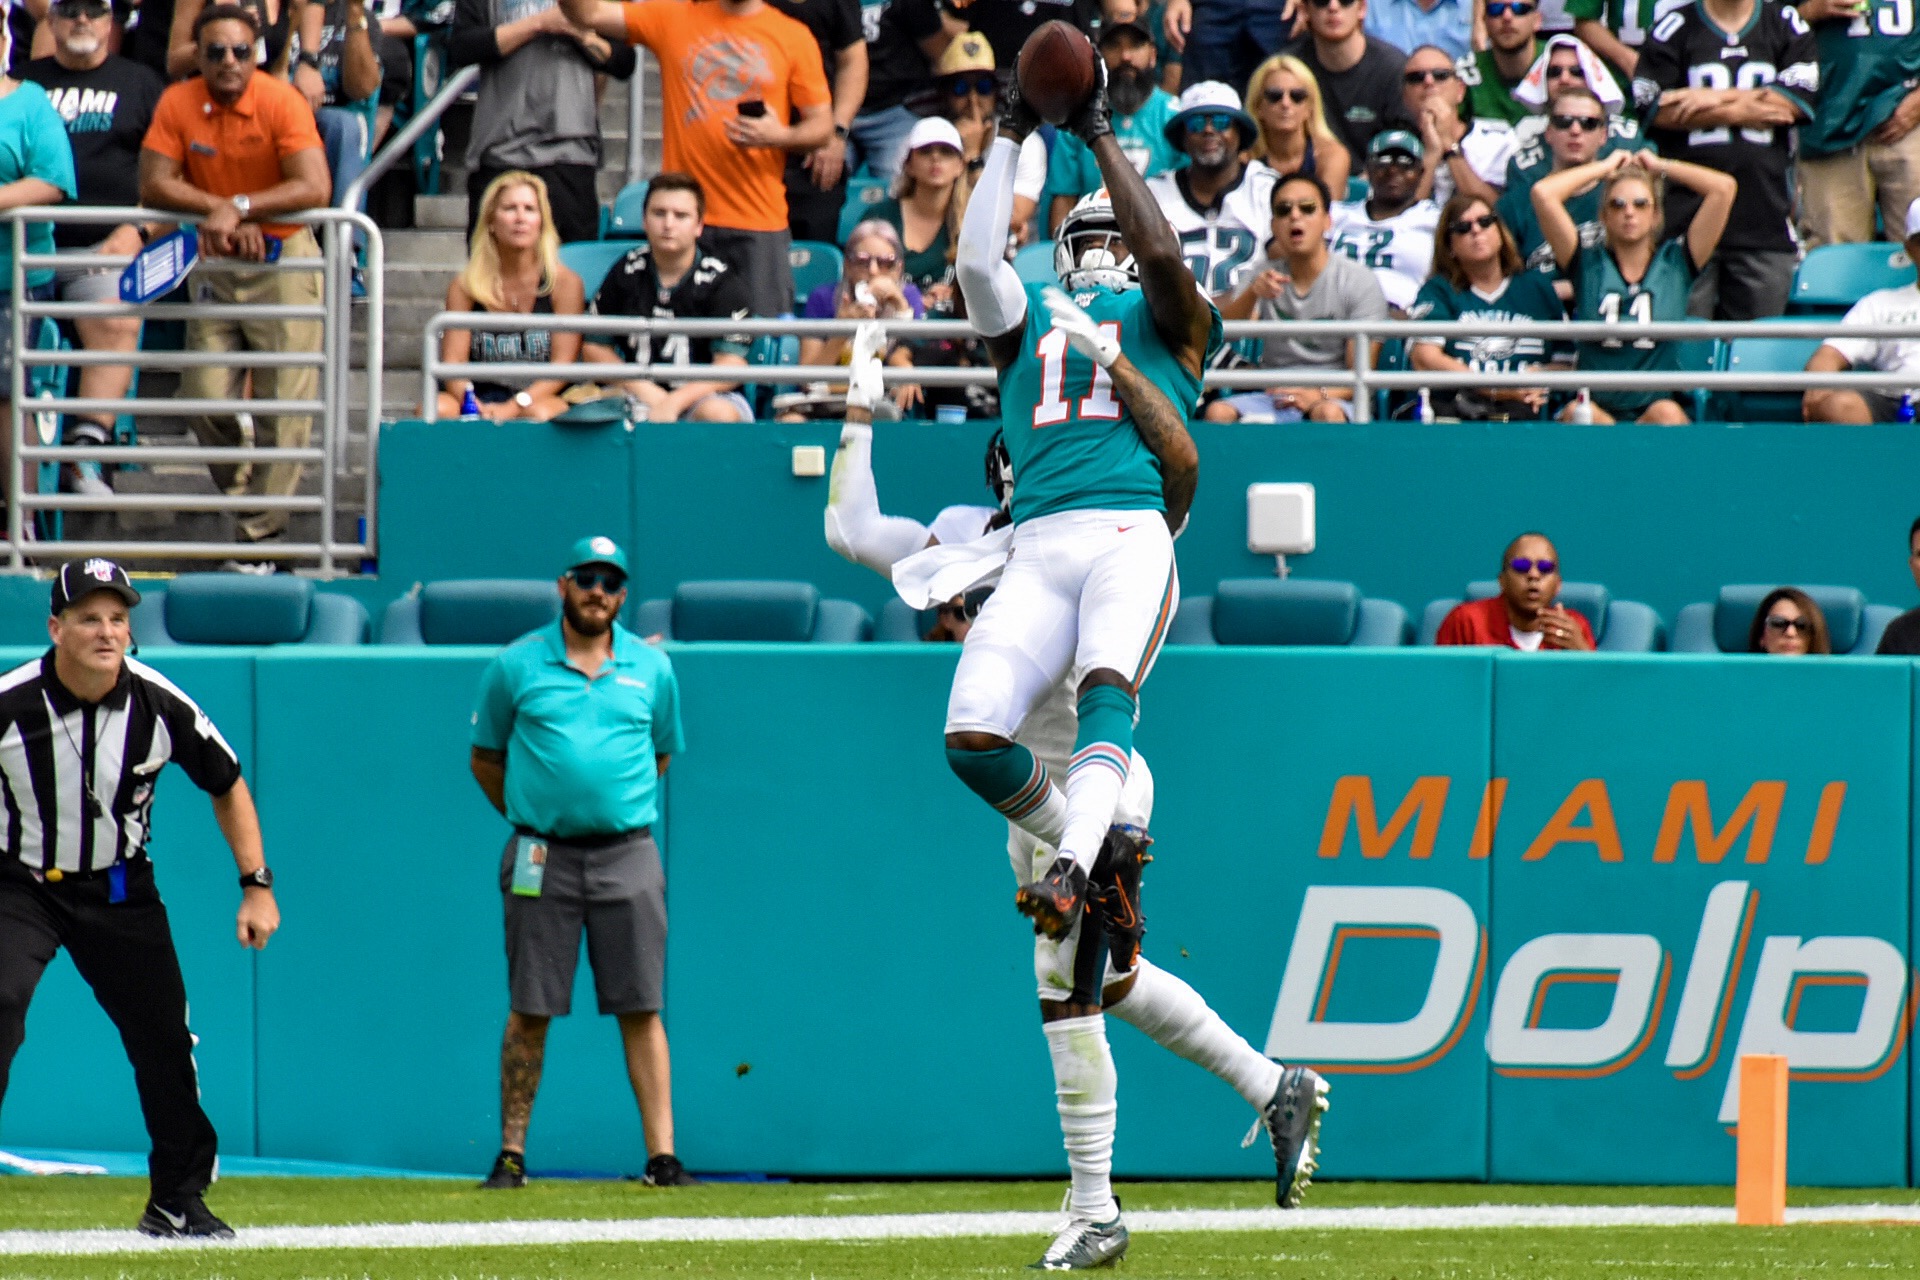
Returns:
(1164,429)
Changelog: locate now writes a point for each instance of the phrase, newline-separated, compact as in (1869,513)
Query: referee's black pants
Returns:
(125,952)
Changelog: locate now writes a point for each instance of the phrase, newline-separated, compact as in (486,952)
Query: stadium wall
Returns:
(1525,910)
(1410,512)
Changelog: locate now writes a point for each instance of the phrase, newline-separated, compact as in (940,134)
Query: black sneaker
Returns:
(509,1171)
(667,1171)
(188,1218)
(1293,1122)
(1113,892)
(1054,901)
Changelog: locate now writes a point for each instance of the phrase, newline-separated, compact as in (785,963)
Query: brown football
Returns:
(1058,70)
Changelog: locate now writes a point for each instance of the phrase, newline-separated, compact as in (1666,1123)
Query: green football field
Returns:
(1618,1252)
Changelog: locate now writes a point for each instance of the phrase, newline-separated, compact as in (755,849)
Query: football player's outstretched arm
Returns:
(856,527)
(996,300)
(1180,312)
(1160,424)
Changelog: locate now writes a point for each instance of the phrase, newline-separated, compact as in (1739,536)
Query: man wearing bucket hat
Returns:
(573,727)
(1392,230)
(84,733)
(1217,213)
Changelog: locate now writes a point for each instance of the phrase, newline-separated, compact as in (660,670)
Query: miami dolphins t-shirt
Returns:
(106,112)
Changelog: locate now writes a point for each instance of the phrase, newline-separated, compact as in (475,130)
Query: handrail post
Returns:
(330,389)
(1362,363)
(402,142)
(636,116)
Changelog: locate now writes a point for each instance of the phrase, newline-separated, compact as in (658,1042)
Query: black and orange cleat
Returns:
(1055,900)
(1113,892)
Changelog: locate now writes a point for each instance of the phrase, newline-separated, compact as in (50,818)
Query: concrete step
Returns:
(447,211)
(427,246)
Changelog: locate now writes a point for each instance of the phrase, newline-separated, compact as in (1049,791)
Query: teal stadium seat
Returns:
(863,192)
(592,259)
(1697,355)
(238,608)
(629,214)
(1763,355)
(901,623)
(1034,263)
(814,263)
(1619,626)
(1289,611)
(1720,625)
(1835,276)
(749,610)
(488,611)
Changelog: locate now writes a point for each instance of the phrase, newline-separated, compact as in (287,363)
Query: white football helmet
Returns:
(1087,252)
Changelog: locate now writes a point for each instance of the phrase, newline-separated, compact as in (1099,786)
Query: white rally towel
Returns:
(1532,89)
(944,571)
(10,1163)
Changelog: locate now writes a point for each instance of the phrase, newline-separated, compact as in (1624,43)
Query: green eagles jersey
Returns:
(1071,439)
(1516,210)
(1601,293)
(1526,296)
(1489,96)
(1867,64)
(1628,19)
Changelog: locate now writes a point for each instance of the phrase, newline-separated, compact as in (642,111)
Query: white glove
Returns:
(864,388)
(1084,335)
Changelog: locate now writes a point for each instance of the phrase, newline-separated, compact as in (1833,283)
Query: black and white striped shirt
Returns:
(77,778)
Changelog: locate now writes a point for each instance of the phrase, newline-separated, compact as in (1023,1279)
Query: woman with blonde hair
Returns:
(1285,102)
(513,268)
(929,199)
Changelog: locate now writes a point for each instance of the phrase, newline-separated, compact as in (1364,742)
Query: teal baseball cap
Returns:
(597,550)
(1395,140)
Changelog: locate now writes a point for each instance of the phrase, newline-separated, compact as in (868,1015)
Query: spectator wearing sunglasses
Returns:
(1301,280)
(929,199)
(1478,276)
(1392,230)
(871,287)
(1788,624)
(667,277)
(198,159)
(1898,305)
(1634,276)
(1210,203)
(1408,24)
(1527,614)
(1460,156)
(1576,134)
(968,87)
(1902,636)
(1746,133)
(1141,111)
(1566,63)
(1493,73)
(1284,100)
(1359,74)
(573,727)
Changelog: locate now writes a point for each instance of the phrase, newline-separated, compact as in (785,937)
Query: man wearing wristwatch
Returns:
(239,150)
(84,733)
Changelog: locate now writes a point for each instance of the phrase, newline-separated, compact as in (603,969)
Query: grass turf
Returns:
(1622,1253)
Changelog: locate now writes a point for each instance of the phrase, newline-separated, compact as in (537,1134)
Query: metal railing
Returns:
(400,145)
(1358,375)
(330,410)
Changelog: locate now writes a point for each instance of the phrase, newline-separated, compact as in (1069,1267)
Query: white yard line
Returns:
(926,1226)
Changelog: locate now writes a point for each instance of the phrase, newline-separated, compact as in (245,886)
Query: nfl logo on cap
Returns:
(100,569)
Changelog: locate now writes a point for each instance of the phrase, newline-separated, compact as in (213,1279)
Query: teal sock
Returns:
(1102,753)
(1016,784)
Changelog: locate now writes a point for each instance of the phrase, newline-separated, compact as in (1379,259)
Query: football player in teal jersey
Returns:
(1632,276)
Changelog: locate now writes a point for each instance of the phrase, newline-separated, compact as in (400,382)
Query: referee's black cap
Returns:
(78,579)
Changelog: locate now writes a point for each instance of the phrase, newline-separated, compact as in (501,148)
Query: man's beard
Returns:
(82,46)
(1128,89)
(581,624)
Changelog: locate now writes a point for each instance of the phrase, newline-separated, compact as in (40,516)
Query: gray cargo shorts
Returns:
(616,891)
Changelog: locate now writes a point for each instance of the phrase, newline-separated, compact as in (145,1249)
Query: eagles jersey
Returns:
(1516,210)
(1071,440)
(1687,50)
(1398,249)
(709,290)
(1216,241)
(1526,296)
(1601,293)
(1866,64)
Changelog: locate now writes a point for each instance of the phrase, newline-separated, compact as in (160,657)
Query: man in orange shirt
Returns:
(239,148)
(1527,614)
(733,72)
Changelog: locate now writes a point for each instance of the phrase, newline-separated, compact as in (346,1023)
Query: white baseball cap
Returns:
(1913,219)
(934,131)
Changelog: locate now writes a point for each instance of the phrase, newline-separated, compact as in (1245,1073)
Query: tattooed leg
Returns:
(522,1053)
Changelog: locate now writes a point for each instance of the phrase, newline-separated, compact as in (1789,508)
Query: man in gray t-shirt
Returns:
(1301,280)
(536,110)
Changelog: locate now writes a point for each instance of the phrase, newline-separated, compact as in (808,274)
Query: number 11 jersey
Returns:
(1070,437)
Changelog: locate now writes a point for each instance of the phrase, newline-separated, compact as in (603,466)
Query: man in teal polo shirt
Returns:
(571,733)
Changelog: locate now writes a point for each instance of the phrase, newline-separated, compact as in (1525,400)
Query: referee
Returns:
(84,732)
